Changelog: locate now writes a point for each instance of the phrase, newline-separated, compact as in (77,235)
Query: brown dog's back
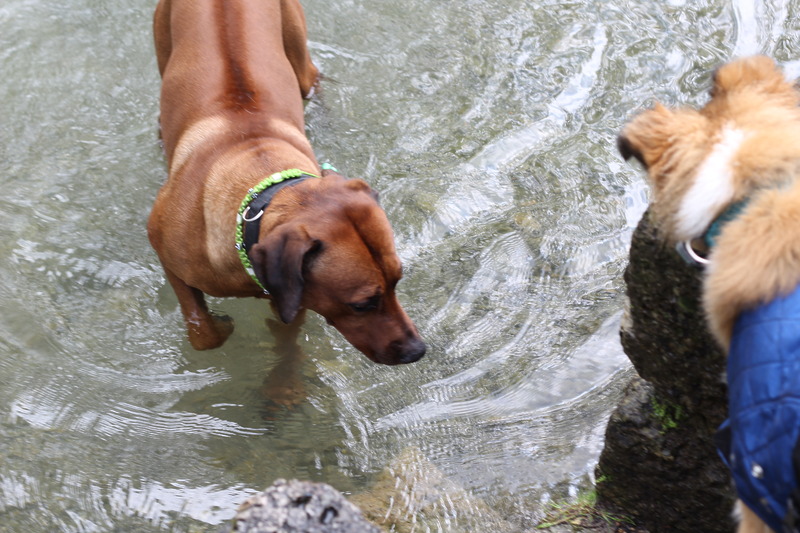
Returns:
(221,67)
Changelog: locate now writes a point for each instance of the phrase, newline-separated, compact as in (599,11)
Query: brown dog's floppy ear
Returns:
(360,185)
(278,263)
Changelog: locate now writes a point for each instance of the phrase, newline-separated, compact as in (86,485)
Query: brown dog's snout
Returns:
(404,346)
(401,348)
(407,347)
(408,351)
(387,341)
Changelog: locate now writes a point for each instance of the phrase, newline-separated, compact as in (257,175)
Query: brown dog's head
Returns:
(335,255)
(701,161)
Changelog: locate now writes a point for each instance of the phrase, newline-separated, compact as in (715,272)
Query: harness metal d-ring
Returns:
(244,215)
(691,254)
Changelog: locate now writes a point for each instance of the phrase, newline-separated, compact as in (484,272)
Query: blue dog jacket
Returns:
(764,408)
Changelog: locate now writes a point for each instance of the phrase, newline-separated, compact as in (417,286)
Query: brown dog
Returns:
(234,75)
(729,175)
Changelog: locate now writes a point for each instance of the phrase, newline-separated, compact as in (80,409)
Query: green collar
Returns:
(245,216)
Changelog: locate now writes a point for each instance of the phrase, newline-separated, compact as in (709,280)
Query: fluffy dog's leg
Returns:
(749,522)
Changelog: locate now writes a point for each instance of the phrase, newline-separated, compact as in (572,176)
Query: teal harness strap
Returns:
(685,249)
(244,216)
(713,231)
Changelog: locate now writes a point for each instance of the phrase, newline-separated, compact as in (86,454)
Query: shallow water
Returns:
(487,127)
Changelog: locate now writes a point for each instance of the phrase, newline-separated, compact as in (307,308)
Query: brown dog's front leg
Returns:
(206,331)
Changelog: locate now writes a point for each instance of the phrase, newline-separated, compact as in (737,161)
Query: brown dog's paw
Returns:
(210,333)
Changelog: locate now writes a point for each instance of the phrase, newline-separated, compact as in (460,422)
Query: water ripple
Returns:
(487,127)
(49,409)
(519,144)
(470,196)
(759,25)
(590,367)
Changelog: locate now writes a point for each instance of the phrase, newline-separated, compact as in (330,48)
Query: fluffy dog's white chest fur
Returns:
(713,186)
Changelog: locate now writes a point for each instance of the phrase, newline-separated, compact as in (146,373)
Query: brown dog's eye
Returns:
(367,305)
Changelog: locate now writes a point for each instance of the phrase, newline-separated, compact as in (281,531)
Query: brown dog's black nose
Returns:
(412,350)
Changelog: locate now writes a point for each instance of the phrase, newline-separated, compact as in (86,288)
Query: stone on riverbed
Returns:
(300,507)
(413,495)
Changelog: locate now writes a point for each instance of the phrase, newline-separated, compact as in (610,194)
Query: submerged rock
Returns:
(300,507)
(412,494)
(659,464)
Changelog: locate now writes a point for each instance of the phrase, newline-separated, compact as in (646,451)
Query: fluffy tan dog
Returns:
(727,174)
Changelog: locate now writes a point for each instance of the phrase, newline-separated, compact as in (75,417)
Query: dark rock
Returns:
(659,464)
(300,507)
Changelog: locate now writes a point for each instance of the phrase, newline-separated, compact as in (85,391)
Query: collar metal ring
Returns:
(244,215)
(692,255)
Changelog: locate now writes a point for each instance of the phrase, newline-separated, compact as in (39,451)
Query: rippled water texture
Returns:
(488,128)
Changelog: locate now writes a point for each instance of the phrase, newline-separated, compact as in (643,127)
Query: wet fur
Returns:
(757,256)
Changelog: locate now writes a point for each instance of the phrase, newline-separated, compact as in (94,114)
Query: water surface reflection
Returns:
(489,129)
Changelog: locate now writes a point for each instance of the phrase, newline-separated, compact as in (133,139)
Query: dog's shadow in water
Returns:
(271,381)
(283,387)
